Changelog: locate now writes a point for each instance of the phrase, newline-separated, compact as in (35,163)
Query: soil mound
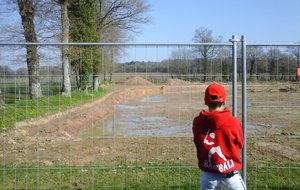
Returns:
(176,82)
(135,80)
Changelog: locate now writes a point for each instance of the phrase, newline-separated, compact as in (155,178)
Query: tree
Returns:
(283,67)
(43,16)
(108,56)
(107,67)
(116,21)
(83,29)
(27,13)
(225,54)
(253,55)
(22,72)
(273,58)
(204,35)
(126,15)
(180,63)
(295,52)
(65,25)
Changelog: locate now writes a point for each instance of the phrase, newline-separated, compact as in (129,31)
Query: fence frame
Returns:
(244,46)
(233,42)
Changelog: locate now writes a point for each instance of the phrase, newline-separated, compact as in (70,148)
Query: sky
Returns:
(261,21)
(175,21)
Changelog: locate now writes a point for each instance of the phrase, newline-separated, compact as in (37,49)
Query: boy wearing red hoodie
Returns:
(218,138)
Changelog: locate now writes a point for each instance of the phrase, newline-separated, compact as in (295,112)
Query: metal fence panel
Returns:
(138,135)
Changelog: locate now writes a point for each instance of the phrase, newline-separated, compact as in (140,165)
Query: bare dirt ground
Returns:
(57,139)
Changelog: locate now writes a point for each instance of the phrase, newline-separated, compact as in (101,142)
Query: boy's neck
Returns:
(216,109)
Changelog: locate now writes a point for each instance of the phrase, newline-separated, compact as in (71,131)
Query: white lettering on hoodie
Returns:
(226,165)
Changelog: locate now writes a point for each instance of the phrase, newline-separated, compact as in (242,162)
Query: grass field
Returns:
(20,109)
(167,176)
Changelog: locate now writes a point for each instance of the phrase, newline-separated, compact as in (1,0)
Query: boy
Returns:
(218,139)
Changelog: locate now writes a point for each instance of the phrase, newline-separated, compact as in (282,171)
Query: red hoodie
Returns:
(218,138)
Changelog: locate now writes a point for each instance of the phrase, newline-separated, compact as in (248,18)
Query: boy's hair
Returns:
(215,105)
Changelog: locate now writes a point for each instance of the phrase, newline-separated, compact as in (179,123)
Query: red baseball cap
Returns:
(215,93)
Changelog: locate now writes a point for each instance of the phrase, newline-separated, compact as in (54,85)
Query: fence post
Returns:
(234,41)
(244,107)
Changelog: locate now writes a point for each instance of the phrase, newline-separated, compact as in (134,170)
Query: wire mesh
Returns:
(134,132)
(273,110)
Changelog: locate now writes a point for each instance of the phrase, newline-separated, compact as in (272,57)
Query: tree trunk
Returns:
(77,78)
(2,103)
(252,62)
(205,65)
(104,76)
(272,70)
(95,82)
(66,86)
(27,15)
(110,75)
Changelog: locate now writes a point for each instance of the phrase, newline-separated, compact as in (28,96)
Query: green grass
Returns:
(13,93)
(123,177)
(279,178)
(27,109)
(119,177)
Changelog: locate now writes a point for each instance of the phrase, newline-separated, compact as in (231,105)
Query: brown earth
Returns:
(58,138)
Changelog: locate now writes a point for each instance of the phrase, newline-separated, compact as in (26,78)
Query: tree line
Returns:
(187,64)
(73,21)
(270,64)
(203,62)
